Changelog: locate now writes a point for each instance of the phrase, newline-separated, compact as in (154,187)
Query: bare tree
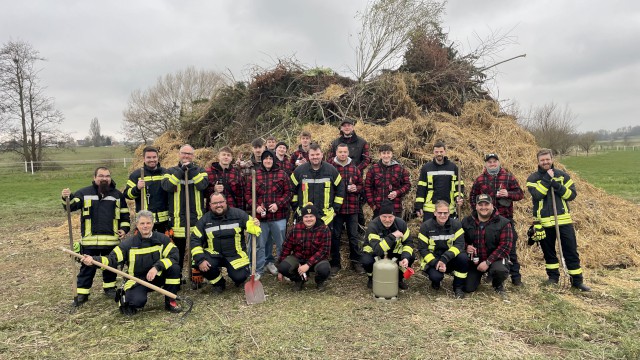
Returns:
(94,132)
(387,28)
(552,126)
(586,141)
(30,120)
(162,107)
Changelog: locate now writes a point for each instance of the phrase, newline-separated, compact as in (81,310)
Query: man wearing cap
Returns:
(306,250)
(442,250)
(273,193)
(282,159)
(387,236)
(226,179)
(542,184)
(504,189)
(438,180)
(488,238)
(320,183)
(387,179)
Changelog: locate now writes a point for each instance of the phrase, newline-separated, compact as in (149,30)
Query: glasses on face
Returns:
(186,153)
(442,213)
(218,202)
(103,176)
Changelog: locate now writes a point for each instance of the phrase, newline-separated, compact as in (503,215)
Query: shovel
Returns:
(74,286)
(253,290)
(558,240)
(162,291)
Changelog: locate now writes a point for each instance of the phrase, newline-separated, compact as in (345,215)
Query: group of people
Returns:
(324,196)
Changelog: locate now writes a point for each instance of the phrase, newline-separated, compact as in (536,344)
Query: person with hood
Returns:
(273,193)
(174,184)
(386,180)
(150,256)
(104,221)
(226,179)
(387,235)
(504,189)
(438,180)
(218,241)
(348,213)
(145,187)
(442,250)
(306,250)
(539,184)
(488,237)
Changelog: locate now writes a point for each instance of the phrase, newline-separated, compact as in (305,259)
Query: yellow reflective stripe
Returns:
(405,236)
(427,259)
(295,198)
(119,255)
(423,238)
(553,266)
(214,281)
(367,249)
(338,200)
(172,281)
(104,260)
(384,245)
(198,198)
(244,258)
(567,194)
(134,252)
(129,284)
(407,249)
(83,291)
(197,232)
(327,192)
(454,250)
(337,180)
(176,210)
(199,177)
(422,183)
(460,275)
(166,262)
(100,240)
(294,180)
(167,249)
(172,178)
(563,219)
(539,187)
(238,263)
(575,272)
(419,199)
(197,250)
(108,285)
(373,236)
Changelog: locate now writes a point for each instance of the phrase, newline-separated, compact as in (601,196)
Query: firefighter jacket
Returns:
(152,197)
(379,240)
(358,150)
(272,187)
(539,184)
(174,183)
(231,179)
(141,254)
(491,184)
(223,236)
(351,175)
(323,187)
(308,245)
(440,242)
(438,182)
(102,215)
(492,239)
(382,179)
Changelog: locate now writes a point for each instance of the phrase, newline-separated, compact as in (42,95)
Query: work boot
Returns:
(357,267)
(110,293)
(271,268)
(335,270)
(172,306)
(402,284)
(321,286)
(80,299)
(458,293)
(551,281)
(500,290)
(370,283)
(298,285)
(577,283)
(516,281)
(218,287)
(435,285)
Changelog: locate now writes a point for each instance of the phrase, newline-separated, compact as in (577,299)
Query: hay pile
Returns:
(602,221)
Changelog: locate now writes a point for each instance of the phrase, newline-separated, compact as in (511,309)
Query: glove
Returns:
(76,247)
(539,233)
(555,185)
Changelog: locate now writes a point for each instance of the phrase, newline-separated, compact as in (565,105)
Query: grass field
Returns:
(535,322)
(616,172)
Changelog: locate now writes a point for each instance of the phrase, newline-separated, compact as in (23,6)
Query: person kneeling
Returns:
(150,256)
(306,249)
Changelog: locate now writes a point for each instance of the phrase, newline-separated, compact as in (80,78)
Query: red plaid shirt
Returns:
(299,154)
(475,234)
(350,175)
(285,164)
(272,186)
(232,180)
(382,179)
(489,184)
(308,245)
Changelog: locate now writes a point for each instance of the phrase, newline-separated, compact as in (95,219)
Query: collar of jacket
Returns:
(216,165)
(391,163)
(112,186)
(493,218)
(157,169)
(274,167)
(335,160)
(543,171)
(445,160)
(352,138)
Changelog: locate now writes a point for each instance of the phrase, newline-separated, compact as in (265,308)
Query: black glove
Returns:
(556,185)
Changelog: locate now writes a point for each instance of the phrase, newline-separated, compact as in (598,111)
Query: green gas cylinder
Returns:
(385,280)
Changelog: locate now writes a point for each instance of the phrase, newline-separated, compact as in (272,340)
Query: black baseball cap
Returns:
(483,198)
(491,155)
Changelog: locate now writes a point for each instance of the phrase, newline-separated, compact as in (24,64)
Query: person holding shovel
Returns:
(149,255)
(103,223)
(551,190)
(218,240)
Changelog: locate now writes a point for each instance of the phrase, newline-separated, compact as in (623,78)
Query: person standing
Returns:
(104,221)
(147,190)
(438,180)
(174,184)
(504,189)
(282,159)
(386,180)
(540,185)
(301,155)
(225,179)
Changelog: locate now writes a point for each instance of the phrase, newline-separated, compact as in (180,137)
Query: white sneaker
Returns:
(257,277)
(272,269)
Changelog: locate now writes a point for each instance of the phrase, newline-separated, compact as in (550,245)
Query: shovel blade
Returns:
(253,291)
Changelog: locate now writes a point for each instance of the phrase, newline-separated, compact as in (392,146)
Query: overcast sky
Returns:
(583,54)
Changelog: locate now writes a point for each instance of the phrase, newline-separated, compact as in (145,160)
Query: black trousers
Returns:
(181,244)
(499,271)
(161,227)
(289,268)
(459,266)
(339,222)
(367,260)
(215,277)
(168,279)
(87,273)
(569,250)
(514,269)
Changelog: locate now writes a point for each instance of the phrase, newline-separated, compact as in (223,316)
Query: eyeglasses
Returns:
(103,176)
(218,202)
(186,153)
(442,213)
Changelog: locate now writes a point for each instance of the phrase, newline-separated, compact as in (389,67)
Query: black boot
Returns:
(218,287)
(80,299)
(435,285)
(370,283)
(577,283)
(458,293)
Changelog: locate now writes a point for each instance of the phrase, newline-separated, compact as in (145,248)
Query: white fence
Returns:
(58,165)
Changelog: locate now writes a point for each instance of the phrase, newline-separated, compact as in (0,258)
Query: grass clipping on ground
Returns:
(605,238)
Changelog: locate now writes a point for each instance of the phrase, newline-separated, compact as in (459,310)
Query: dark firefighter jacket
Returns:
(379,240)
(323,187)
(438,182)
(440,243)
(174,184)
(539,184)
(155,197)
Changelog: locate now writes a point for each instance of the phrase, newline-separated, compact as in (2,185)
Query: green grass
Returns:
(616,172)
